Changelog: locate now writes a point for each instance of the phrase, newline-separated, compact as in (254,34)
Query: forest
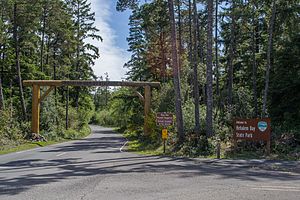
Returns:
(217,60)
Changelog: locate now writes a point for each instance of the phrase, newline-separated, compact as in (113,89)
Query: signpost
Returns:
(164,119)
(164,136)
(253,130)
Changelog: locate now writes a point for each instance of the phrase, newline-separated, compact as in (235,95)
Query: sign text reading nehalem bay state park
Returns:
(252,129)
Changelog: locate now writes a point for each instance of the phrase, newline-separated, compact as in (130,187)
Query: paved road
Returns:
(95,168)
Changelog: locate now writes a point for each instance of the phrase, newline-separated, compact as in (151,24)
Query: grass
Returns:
(27,146)
(260,154)
(31,145)
(145,149)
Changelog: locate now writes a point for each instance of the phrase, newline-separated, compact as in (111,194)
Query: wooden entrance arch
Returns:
(37,98)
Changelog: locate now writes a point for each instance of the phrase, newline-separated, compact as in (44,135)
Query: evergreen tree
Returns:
(137,66)
(85,52)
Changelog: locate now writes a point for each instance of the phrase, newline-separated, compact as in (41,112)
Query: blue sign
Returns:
(262,126)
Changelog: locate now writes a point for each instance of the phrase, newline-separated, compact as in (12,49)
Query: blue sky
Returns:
(113,28)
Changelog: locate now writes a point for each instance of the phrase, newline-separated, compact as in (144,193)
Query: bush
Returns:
(286,140)
(103,118)
(12,132)
(75,134)
(53,118)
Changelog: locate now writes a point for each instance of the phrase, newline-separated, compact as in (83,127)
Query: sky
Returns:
(113,28)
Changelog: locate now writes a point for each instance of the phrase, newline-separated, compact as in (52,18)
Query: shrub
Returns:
(104,118)
(12,132)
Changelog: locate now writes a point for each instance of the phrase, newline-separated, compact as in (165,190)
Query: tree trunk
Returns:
(47,50)
(43,38)
(195,66)
(231,55)
(78,57)
(179,30)
(11,93)
(54,78)
(67,108)
(270,44)
(176,76)
(254,64)
(190,33)
(2,106)
(17,62)
(216,50)
(209,80)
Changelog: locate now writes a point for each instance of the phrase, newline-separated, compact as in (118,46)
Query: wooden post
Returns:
(268,147)
(147,106)
(218,149)
(35,123)
(235,147)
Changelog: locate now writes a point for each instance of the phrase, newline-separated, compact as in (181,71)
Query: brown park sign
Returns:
(164,119)
(252,129)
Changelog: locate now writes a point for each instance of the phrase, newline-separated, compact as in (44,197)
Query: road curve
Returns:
(95,168)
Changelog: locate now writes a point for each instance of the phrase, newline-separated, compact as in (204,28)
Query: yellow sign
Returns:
(164,134)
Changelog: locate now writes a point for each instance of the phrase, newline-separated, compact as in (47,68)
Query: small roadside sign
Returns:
(164,119)
(164,134)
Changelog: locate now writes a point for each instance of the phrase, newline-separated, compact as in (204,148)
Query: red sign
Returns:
(164,119)
(252,129)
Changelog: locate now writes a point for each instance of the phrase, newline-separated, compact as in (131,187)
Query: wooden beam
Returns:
(147,107)
(35,122)
(58,83)
(142,99)
(46,93)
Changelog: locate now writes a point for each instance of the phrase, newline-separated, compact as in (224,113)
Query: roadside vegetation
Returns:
(16,136)
(45,40)
(255,74)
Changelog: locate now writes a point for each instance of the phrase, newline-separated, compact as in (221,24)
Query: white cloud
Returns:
(112,57)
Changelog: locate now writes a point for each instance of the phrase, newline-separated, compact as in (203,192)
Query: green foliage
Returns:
(195,146)
(154,130)
(53,119)
(188,110)
(104,118)
(163,99)
(123,110)
(286,139)
(12,133)
(77,134)
(249,31)
(122,5)
(149,41)
(50,38)
(285,102)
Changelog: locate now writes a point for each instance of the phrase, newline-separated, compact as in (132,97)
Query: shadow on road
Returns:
(34,172)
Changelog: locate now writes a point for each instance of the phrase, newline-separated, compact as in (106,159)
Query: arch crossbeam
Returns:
(59,83)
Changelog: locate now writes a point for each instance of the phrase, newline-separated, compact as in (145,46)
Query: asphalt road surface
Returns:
(97,168)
